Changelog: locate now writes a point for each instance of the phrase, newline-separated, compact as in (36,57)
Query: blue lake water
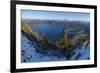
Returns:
(52,32)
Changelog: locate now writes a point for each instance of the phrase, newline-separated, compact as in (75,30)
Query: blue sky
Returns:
(33,14)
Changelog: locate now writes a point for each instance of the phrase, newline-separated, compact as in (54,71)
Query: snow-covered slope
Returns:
(29,52)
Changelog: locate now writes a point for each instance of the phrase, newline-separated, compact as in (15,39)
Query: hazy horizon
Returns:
(51,15)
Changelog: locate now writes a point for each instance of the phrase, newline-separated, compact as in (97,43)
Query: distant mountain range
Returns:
(71,24)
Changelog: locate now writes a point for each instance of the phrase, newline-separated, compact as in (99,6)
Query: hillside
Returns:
(64,48)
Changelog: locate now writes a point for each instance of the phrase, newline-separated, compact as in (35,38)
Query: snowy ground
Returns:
(29,53)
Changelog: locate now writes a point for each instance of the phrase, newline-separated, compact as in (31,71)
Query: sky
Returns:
(33,14)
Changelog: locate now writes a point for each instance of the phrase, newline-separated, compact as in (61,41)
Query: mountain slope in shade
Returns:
(29,52)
